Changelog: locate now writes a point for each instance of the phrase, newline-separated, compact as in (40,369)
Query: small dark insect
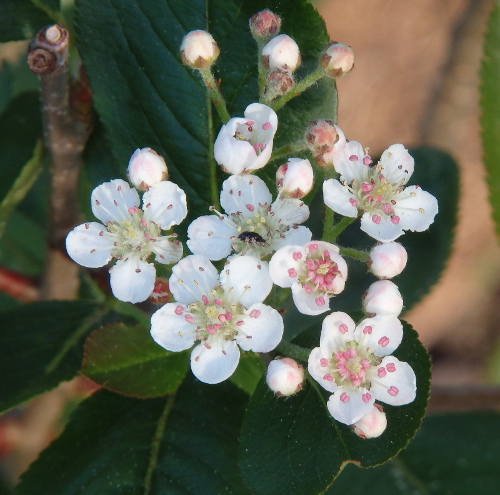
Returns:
(251,237)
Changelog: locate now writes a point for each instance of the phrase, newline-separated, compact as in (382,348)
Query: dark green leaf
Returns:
(21,20)
(249,372)
(454,454)
(41,346)
(125,359)
(490,110)
(127,446)
(292,445)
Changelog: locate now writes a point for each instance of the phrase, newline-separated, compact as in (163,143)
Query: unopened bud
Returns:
(281,53)
(161,292)
(264,25)
(337,59)
(146,168)
(387,259)
(382,298)
(295,179)
(284,376)
(278,83)
(199,50)
(371,425)
(324,139)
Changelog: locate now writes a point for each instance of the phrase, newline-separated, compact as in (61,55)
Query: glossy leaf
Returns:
(249,371)
(490,110)
(21,20)
(125,359)
(293,445)
(41,346)
(182,444)
(453,454)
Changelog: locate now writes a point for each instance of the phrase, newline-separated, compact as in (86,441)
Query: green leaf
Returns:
(119,445)
(125,359)
(249,371)
(490,110)
(21,20)
(146,97)
(453,454)
(293,445)
(41,346)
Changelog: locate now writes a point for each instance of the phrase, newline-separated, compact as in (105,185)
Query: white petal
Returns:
(309,304)
(171,330)
(217,363)
(381,334)
(336,197)
(90,244)
(211,237)
(397,163)
(111,201)
(290,211)
(337,329)
(168,250)
(246,280)
(285,264)
(244,194)
(384,231)
(191,278)
(319,372)
(350,405)
(394,382)
(417,210)
(165,203)
(348,162)
(262,329)
(296,236)
(132,280)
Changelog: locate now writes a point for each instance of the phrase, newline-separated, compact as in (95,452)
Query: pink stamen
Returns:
(393,391)
(211,330)
(239,323)
(381,372)
(366,188)
(205,300)
(132,210)
(292,273)
(328,377)
(386,208)
(178,310)
(323,362)
(367,161)
(383,341)
(229,316)
(353,202)
(367,330)
(250,207)
(353,158)
(343,328)
(255,313)
(313,247)
(266,126)
(376,219)
(395,219)
(143,222)
(222,318)
(320,301)
(207,345)
(344,398)
(218,302)
(391,367)
(366,397)
(297,256)
(189,318)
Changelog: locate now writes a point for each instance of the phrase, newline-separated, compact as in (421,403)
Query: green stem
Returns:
(262,71)
(293,351)
(354,253)
(300,87)
(339,228)
(215,94)
(287,150)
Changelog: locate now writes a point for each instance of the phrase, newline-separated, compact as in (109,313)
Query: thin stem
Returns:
(293,351)
(287,150)
(262,71)
(215,94)
(336,230)
(299,88)
(354,253)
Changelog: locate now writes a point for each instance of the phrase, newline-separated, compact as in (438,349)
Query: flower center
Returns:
(350,365)
(134,236)
(246,132)
(320,272)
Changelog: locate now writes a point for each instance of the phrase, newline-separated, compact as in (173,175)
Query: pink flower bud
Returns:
(284,376)
(324,139)
(281,53)
(199,50)
(146,168)
(337,59)
(295,178)
(382,298)
(371,425)
(387,259)
(278,82)
(264,25)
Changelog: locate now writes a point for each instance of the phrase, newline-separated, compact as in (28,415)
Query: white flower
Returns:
(220,312)
(354,363)
(252,224)
(295,179)
(284,376)
(145,168)
(199,49)
(130,235)
(337,59)
(314,271)
(281,52)
(382,298)
(245,144)
(387,259)
(379,192)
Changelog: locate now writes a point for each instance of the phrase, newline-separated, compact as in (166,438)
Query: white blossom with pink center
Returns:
(315,272)
(252,224)
(354,363)
(379,192)
(222,312)
(130,235)
(245,144)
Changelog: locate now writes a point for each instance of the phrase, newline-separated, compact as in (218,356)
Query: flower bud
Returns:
(284,376)
(146,168)
(387,259)
(337,59)
(281,53)
(264,25)
(371,425)
(295,179)
(382,298)
(324,139)
(199,50)
(278,83)
(161,292)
